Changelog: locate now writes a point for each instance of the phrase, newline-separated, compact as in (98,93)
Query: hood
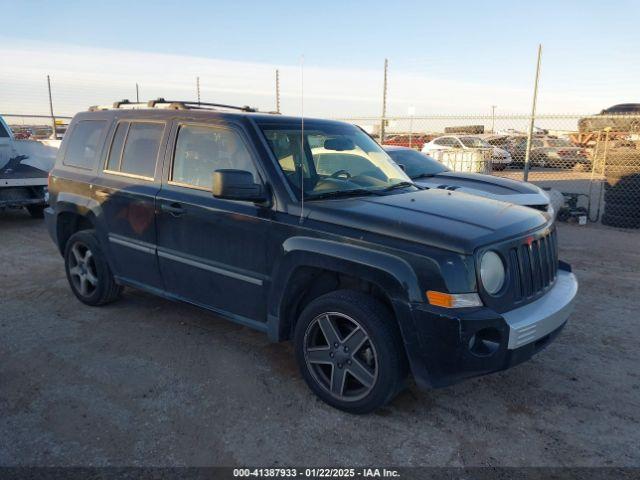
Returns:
(497,188)
(449,220)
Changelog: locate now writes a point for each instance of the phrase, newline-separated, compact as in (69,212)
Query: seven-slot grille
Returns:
(534,265)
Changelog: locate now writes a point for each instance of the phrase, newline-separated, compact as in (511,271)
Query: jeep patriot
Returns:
(305,229)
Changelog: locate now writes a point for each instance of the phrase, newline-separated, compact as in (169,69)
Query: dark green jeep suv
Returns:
(306,230)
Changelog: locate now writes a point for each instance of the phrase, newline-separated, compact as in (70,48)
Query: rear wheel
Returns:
(350,352)
(87,270)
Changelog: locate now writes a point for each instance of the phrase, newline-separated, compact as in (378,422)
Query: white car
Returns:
(24,168)
(499,158)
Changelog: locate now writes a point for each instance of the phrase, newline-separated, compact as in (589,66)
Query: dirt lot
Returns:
(149,382)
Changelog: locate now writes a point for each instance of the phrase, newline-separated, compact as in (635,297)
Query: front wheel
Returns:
(350,352)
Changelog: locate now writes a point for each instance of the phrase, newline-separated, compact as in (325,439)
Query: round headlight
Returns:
(492,272)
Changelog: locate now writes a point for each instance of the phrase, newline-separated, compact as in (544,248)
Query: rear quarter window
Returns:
(84,144)
(134,149)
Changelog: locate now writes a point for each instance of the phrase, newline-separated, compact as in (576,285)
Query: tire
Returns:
(87,270)
(618,221)
(36,211)
(348,317)
(499,167)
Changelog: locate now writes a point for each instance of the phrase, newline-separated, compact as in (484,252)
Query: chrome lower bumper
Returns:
(537,319)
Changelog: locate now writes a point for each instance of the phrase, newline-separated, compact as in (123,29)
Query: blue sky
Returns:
(590,50)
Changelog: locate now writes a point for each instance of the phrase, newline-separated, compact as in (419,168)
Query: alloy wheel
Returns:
(82,269)
(341,356)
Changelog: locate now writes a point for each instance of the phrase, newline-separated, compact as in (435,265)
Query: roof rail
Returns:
(172,105)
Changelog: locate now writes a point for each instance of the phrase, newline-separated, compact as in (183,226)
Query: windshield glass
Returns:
(474,142)
(416,164)
(332,158)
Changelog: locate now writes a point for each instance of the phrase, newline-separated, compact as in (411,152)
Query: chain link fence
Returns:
(594,161)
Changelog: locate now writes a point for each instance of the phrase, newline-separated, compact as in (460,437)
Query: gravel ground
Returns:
(149,382)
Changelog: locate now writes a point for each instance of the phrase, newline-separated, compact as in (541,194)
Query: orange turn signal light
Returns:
(440,299)
(453,300)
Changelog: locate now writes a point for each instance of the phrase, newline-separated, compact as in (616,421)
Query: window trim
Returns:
(218,126)
(99,145)
(119,172)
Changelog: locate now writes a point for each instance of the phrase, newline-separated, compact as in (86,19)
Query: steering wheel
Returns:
(339,173)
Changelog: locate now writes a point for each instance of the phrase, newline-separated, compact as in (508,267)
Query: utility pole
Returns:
(54,135)
(198,88)
(493,118)
(532,120)
(277,90)
(137,94)
(384,102)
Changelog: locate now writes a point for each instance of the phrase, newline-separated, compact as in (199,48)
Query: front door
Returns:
(212,252)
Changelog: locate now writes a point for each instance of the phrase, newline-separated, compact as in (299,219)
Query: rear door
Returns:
(126,190)
(212,252)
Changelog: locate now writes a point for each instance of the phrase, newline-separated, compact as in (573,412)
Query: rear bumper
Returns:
(50,222)
(456,345)
(13,196)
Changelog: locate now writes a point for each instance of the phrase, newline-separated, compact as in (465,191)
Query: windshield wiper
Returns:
(342,193)
(399,185)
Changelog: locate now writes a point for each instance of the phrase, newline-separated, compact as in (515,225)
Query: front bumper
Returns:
(454,345)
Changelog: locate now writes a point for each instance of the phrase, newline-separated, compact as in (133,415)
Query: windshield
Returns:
(474,142)
(416,164)
(332,158)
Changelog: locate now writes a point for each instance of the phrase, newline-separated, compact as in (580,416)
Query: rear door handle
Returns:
(174,209)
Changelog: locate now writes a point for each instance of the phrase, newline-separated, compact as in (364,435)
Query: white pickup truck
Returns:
(24,168)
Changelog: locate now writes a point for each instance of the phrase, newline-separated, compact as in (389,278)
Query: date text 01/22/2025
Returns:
(316,472)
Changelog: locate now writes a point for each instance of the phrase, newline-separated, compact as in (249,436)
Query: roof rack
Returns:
(171,105)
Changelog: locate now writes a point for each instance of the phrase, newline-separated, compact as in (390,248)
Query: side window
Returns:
(115,152)
(200,151)
(141,149)
(82,150)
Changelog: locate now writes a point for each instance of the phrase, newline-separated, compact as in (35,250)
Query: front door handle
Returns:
(174,209)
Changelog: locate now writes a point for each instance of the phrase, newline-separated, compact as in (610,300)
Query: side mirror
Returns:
(237,185)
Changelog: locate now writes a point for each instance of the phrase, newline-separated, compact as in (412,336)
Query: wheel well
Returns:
(309,283)
(68,224)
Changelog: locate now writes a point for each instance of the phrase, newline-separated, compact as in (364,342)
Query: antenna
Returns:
(302,138)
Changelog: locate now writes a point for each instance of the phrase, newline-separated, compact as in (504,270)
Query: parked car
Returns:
(552,152)
(428,172)
(24,167)
(368,274)
(500,158)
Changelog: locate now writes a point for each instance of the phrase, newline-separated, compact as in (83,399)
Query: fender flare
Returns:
(80,205)
(392,274)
